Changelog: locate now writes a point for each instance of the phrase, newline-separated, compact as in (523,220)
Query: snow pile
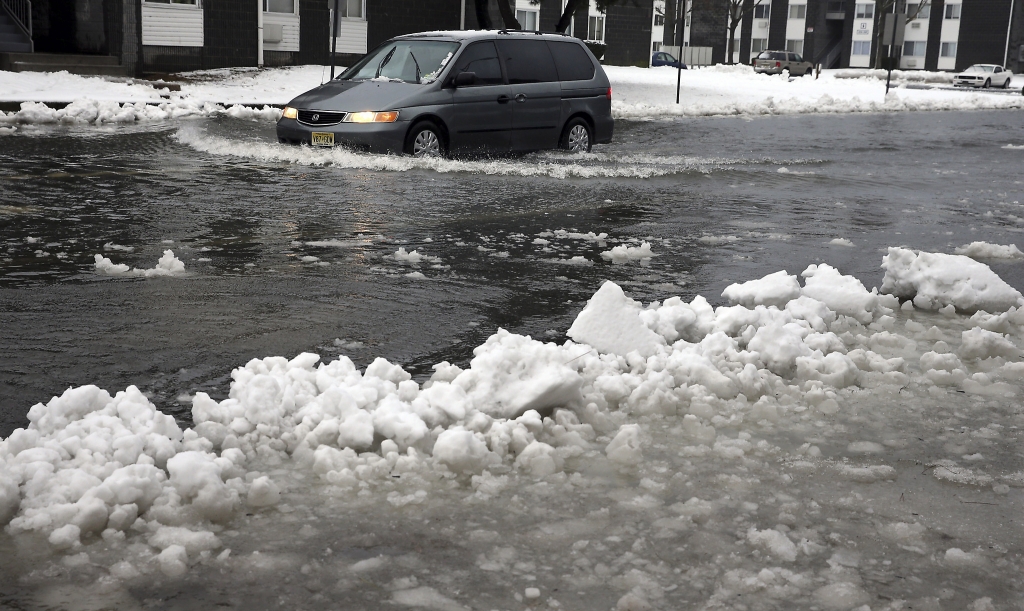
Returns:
(984,250)
(96,112)
(936,280)
(92,469)
(168,265)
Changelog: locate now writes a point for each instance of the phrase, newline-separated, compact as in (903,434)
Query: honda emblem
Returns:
(316,117)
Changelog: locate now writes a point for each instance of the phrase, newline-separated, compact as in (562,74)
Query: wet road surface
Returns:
(719,200)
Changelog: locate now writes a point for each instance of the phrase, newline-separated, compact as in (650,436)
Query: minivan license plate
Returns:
(322,139)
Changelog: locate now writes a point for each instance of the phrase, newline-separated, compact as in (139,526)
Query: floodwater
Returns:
(719,200)
(773,191)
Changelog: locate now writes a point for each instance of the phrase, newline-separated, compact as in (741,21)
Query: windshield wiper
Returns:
(417,66)
(384,61)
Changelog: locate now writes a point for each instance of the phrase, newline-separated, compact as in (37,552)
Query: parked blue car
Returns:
(665,59)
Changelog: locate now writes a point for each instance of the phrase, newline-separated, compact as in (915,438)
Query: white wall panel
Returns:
(353,36)
(172,25)
(289,32)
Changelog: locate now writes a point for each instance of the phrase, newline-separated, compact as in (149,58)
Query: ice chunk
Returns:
(779,346)
(777,543)
(193,542)
(841,596)
(985,250)
(263,493)
(981,344)
(843,294)
(935,280)
(774,289)
(611,323)
(625,449)
(463,451)
(173,561)
(426,598)
(167,265)
(624,253)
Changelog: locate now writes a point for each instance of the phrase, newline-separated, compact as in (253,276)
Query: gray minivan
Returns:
(441,93)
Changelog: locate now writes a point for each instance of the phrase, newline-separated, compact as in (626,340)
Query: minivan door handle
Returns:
(520,97)
(503,99)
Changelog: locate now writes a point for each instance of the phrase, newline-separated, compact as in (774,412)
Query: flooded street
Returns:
(290,250)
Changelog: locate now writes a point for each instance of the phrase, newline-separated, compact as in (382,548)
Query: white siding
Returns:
(950,33)
(172,25)
(289,32)
(915,34)
(353,36)
(863,31)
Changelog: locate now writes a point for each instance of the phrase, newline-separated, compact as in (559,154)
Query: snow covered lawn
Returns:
(638,93)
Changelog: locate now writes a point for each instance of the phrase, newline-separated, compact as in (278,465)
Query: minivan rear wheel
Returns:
(577,137)
(425,140)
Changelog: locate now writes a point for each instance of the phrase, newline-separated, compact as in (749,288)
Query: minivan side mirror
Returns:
(463,79)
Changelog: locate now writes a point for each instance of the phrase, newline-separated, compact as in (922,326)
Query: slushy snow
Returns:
(662,414)
(167,265)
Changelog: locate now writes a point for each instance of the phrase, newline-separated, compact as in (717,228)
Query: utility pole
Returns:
(681,9)
(334,37)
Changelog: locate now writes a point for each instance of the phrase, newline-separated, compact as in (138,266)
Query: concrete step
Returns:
(63,60)
(14,47)
(83,69)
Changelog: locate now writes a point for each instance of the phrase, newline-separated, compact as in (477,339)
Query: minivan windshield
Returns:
(410,61)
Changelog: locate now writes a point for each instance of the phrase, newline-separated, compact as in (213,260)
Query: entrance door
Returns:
(483,111)
(536,94)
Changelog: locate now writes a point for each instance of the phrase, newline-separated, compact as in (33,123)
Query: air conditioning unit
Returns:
(911,63)
(915,26)
(273,32)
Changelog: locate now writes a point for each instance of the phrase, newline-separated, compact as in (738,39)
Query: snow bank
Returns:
(984,250)
(97,112)
(94,467)
(935,280)
(168,265)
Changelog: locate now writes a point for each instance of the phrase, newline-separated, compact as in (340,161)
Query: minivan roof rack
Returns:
(506,31)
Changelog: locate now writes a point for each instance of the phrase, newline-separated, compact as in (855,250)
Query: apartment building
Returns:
(939,35)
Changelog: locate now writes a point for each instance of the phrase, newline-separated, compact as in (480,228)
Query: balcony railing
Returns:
(21,12)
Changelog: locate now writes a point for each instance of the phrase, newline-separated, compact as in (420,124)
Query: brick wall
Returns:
(174,59)
(934,46)
(777,25)
(388,18)
(314,31)
(90,34)
(1016,59)
(709,24)
(229,33)
(982,32)
(627,32)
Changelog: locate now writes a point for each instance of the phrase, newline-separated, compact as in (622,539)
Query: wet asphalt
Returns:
(719,199)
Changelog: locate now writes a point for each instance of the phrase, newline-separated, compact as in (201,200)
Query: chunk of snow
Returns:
(985,250)
(774,289)
(168,265)
(935,280)
(624,253)
(611,323)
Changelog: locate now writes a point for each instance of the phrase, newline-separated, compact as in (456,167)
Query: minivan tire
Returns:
(577,137)
(425,139)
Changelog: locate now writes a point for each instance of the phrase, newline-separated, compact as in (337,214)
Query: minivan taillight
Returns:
(608,94)
(778,64)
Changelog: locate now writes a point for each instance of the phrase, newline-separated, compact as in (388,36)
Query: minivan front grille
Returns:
(320,117)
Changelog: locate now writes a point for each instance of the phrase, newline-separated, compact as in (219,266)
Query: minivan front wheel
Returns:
(577,136)
(425,140)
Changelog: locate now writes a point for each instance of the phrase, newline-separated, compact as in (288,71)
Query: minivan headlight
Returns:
(289,113)
(371,117)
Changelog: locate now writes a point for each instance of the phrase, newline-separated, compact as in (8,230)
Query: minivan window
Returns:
(481,58)
(572,61)
(527,61)
(412,61)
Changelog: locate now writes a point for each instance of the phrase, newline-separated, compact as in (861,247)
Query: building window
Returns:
(914,48)
(797,11)
(659,20)
(758,44)
(761,11)
(947,49)
(865,11)
(353,9)
(655,47)
(595,29)
(917,11)
(861,47)
(279,6)
(795,46)
(835,6)
(527,19)
(952,11)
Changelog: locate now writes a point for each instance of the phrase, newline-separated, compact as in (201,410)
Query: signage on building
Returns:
(862,28)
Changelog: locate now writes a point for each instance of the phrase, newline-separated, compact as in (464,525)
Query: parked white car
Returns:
(983,75)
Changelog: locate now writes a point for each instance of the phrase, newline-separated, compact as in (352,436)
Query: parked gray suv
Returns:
(441,93)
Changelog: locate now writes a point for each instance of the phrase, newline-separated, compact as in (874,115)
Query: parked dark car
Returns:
(441,93)
(777,62)
(666,59)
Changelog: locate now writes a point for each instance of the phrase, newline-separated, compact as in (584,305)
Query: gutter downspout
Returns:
(259,33)
(1009,26)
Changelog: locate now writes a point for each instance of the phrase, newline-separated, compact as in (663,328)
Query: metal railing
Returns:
(21,12)
(831,55)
